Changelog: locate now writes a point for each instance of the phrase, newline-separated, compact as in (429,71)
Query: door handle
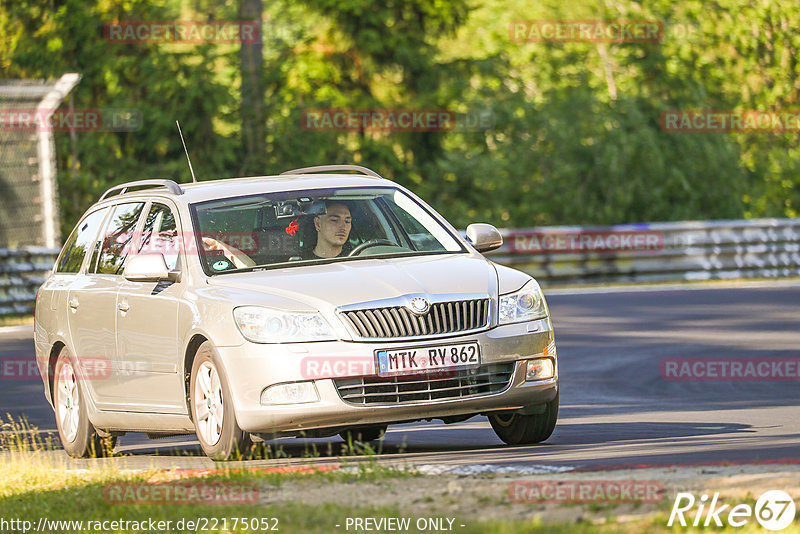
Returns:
(73,303)
(124,306)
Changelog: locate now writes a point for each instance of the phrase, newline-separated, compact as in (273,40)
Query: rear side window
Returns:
(79,242)
(118,239)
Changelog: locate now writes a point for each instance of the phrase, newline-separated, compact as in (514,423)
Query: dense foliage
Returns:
(575,136)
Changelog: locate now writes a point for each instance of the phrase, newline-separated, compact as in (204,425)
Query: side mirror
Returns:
(149,268)
(484,237)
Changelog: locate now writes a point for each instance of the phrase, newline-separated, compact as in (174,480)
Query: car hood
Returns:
(331,285)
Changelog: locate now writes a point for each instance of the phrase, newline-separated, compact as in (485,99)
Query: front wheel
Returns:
(78,437)
(212,409)
(517,429)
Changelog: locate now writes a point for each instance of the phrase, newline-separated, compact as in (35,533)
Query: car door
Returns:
(68,270)
(92,303)
(147,323)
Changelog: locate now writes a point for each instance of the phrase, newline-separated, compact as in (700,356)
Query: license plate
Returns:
(427,359)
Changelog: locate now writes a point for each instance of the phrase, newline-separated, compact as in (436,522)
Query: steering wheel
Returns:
(373,243)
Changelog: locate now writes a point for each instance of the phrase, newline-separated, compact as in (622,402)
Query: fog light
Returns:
(540,369)
(293,393)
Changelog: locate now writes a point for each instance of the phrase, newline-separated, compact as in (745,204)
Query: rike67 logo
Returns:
(774,510)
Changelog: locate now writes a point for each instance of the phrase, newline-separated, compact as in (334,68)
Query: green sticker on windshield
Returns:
(221,265)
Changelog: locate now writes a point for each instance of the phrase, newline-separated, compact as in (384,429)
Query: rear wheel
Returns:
(517,429)
(212,409)
(367,433)
(78,437)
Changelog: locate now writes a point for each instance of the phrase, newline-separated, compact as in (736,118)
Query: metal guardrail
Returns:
(22,271)
(715,250)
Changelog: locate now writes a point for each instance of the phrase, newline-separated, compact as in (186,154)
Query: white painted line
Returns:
(475,469)
(689,286)
(16,329)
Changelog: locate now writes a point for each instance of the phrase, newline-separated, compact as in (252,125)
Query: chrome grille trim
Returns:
(392,391)
(396,321)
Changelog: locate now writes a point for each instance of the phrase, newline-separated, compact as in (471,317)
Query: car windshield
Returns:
(314,226)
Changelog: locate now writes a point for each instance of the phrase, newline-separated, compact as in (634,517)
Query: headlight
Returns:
(527,304)
(264,325)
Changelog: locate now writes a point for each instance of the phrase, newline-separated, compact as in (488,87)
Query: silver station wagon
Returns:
(303,304)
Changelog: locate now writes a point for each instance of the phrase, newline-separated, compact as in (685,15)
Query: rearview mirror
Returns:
(484,237)
(149,268)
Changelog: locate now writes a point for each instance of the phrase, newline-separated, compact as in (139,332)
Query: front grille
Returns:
(447,384)
(398,321)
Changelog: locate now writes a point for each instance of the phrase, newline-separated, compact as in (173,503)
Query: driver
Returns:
(333,231)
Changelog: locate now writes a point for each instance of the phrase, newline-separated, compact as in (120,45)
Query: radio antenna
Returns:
(191,170)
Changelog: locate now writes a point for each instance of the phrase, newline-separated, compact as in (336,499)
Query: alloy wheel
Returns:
(68,402)
(209,403)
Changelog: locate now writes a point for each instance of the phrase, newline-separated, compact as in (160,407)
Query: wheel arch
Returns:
(55,350)
(188,360)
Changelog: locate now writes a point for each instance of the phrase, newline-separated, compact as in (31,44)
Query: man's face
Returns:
(334,226)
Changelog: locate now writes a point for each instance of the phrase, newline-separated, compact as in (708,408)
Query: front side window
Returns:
(304,227)
(160,234)
(117,241)
(79,241)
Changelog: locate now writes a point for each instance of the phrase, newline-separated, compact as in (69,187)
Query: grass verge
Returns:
(91,500)
(15,320)
(45,496)
(72,502)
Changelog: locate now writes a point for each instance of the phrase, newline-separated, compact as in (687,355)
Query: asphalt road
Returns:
(616,407)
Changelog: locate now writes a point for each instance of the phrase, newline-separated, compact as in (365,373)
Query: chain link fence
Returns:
(29,210)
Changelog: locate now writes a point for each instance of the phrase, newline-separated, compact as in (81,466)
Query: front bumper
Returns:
(252,367)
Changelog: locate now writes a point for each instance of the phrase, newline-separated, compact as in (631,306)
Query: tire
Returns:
(212,409)
(363,434)
(517,429)
(78,437)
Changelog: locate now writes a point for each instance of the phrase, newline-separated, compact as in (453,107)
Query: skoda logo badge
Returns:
(420,306)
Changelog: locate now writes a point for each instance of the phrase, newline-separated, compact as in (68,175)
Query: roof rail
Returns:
(173,187)
(326,168)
